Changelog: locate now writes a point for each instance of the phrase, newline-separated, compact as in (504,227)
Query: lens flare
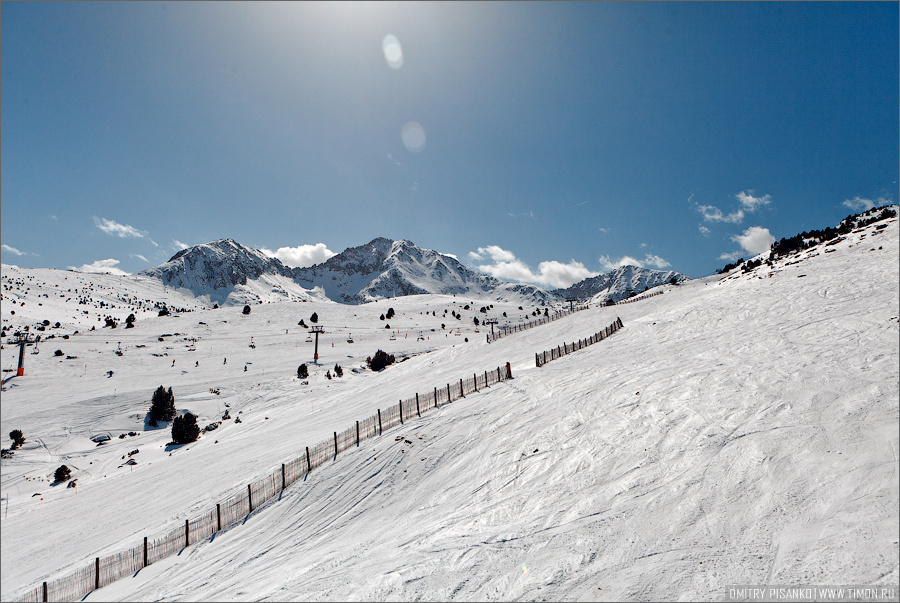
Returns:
(413,136)
(393,54)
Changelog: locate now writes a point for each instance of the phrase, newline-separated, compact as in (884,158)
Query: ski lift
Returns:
(35,350)
(350,338)
(308,339)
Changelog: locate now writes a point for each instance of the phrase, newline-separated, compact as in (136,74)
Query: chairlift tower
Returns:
(572,301)
(316,330)
(492,322)
(22,342)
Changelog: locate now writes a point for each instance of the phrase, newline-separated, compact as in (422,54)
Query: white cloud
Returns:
(603,230)
(859,204)
(748,202)
(496,254)
(751,203)
(731,256)
(115,229)
(178,245)
(703,230)
(139,256)
(450,255)
(301,256)
(655,261)
(6,247)
(101,267)
(714,214)
(755,240)
(505,265)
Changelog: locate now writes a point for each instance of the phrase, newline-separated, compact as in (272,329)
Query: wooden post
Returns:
(435,396)
(418,411)
(475,379)
(145,551)
(508,371)
(448,392)
(498,375)
(250,498)
(308,464)
(282,476)
(187,533)
(335,444)
(401,412)
(96,573)
(218,517)
(357,434)
(45,592)
(485,379)
(462,393)
(380,430)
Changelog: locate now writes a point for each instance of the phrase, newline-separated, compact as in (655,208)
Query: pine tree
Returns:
(302,372)
(246,310)
(18,439)
(314,318)
(162,407)
(185,429)
(62,474)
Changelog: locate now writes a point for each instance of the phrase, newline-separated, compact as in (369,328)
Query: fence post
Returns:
(45,591)
(537,361)
(335,444)
(435,397)
(401,412)
(418,412)
(508,371)
(145,551)
(357,434)
(96,573)
(448,393)
(308,464)
(462,393)
(498,375)
(379,422)
(475,379)
(282,476)
(187,533)
(486,384)
(218,518)
(250,498)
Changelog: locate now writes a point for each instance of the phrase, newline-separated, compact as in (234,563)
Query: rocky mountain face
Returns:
(620,284)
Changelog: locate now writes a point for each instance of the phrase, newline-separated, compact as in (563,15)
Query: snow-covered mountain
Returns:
(384,268)
(620,284)
(228,273)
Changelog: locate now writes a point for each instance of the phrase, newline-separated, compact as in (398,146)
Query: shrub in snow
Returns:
(381,317)
(246,309)
(163,312)
(314,318)
(302,372)
(380,360)
(390,313)
(162,405)
(58,353)
(18,439)
(302,324)
(185,429)
(62,474)
(328,375)
(338,370)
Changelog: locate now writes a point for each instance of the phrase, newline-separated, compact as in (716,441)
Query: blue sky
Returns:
(541,142)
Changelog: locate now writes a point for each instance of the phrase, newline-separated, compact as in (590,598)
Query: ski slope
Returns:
(738,430)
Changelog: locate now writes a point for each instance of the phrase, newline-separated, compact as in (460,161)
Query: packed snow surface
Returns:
(740,429)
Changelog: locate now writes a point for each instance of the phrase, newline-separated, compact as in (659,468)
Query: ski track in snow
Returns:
(736,431)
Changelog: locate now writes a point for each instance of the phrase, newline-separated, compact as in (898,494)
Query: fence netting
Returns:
(542,358)
(105,570)
(509,330)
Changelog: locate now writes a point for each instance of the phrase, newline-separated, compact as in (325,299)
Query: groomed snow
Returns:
(741,430)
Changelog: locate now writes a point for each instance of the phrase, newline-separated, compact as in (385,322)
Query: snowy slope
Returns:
(738,430)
